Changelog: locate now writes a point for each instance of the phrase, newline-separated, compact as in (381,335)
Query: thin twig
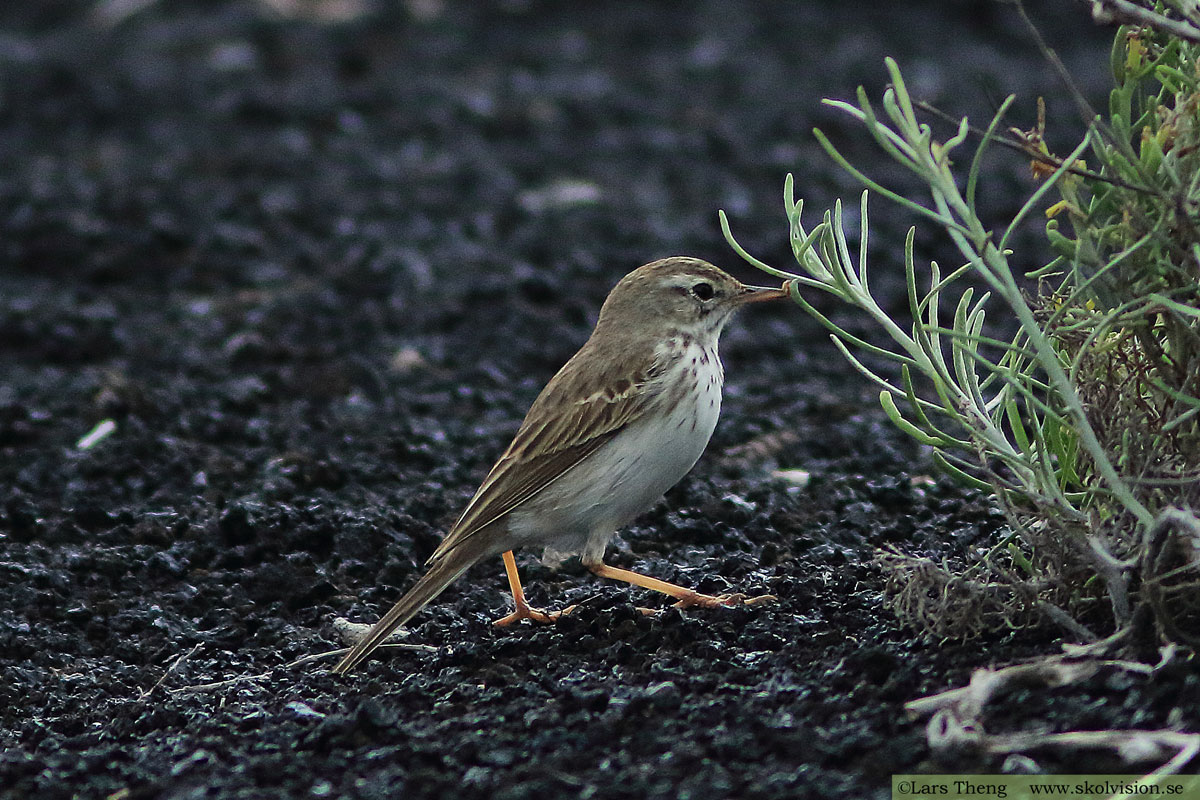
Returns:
(1086,112)
(1049,160)
(174,666)
(1067,622)
(968,702)
(207,687)
(1109,11)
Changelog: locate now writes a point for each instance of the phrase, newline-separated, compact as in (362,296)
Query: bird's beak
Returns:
(759,294)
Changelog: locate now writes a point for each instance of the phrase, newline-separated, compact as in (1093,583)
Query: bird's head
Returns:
(681,293)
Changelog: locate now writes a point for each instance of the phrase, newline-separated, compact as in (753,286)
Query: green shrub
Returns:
(1085,424)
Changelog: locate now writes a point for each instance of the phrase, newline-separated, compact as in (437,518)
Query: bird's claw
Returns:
(533,614)
(728,600)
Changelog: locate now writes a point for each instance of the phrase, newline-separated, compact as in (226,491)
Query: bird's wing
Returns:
(557,434)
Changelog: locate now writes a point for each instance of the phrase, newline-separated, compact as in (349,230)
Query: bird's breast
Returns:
(632,470)
(690,399)
(651,455)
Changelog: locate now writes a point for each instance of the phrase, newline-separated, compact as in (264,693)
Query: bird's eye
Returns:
(704,291)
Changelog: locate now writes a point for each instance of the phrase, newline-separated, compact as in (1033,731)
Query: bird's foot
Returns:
(534,614)
(716,601)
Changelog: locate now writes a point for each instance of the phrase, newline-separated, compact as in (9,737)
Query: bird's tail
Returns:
(444,572)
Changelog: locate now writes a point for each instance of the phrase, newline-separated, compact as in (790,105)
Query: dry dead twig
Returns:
(956,716)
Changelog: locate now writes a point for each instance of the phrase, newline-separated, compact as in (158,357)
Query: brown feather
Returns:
(550,442)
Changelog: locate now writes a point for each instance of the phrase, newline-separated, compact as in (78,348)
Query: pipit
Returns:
(620,423)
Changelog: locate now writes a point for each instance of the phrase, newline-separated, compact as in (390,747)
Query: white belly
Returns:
(581,511)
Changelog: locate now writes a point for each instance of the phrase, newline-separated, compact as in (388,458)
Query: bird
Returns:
(621,423)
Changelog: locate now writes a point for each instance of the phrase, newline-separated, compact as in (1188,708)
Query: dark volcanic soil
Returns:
(316,271)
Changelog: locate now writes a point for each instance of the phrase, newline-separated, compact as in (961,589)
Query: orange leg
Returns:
(686,597)
(523,609)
